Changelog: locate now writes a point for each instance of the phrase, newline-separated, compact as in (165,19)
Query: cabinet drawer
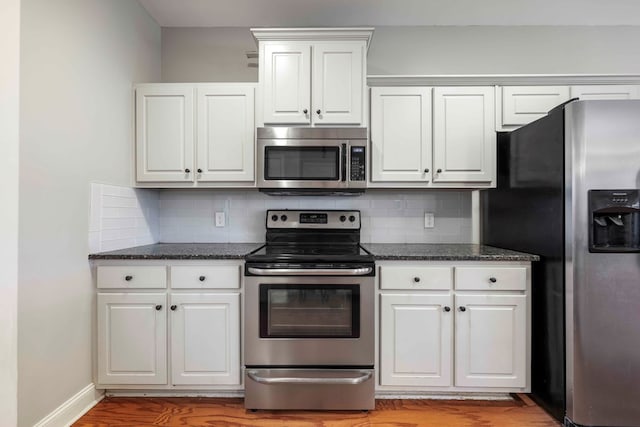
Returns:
(491,278)
(205,277)
(416,277)
(134,277)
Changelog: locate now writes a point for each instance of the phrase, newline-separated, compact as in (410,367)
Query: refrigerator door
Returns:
(602,152)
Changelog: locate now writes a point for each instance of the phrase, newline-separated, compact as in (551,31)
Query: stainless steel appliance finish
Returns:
(567,190)
(309,314)
(316,160)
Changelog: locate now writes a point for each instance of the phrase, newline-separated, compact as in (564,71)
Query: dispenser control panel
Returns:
(614,221)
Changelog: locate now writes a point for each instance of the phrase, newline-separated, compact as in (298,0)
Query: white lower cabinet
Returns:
(178,328)
(469,334)
(132,338)
(205,338)
(410,358)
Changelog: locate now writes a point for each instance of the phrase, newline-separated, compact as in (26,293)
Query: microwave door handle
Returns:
(344,163)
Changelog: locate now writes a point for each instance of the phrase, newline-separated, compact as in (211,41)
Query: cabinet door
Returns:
(205,338)
(605,92)
(524,104)
(401,134)
(225,133)
(164,133)
(464,135)
(416,339)
(338,83)
(287,83)
(132,343)
(491,340)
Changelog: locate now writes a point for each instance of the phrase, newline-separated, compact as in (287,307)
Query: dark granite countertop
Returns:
(445,252)
(182,251)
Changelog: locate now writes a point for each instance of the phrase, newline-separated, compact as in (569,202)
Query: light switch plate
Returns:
(429,220)
(220,219)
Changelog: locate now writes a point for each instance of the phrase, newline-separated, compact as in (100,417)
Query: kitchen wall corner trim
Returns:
(71,410)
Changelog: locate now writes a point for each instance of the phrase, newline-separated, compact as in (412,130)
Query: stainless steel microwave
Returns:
(312,160)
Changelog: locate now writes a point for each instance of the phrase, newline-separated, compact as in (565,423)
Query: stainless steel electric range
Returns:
(309,314)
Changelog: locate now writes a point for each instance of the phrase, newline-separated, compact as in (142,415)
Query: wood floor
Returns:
(175,411)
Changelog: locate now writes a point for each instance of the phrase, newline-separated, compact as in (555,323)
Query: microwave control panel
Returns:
(357,166)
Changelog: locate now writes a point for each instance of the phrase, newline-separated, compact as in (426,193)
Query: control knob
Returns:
(343,218)
(283,217)
(352,218)
(274,217)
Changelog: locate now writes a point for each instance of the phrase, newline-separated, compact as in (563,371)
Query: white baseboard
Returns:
(71,410)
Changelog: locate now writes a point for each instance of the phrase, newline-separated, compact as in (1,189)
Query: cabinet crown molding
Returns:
(313,34)
(500,79)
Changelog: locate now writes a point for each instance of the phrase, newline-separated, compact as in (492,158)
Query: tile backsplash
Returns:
(388,216)
(122,217)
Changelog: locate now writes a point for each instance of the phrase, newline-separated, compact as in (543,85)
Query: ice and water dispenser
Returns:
(614,224)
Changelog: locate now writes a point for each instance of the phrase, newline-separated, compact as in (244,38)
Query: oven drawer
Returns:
(416,277)
(317,389)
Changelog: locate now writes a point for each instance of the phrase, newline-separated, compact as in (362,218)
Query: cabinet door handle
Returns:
(128,278)
(426,170)
(199,170)
(447,308)
(187,170)
(305,111)
(462,308)
(493,279)
(319,112)
(158,307)
(201,278)
(173,307)
(439,171)
(416,279)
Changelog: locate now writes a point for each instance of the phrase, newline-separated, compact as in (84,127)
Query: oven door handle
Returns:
(310,271)
(362,377)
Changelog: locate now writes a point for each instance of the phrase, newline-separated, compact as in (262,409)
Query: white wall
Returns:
(218,54)
(9,145)
(388,216)
(79,59)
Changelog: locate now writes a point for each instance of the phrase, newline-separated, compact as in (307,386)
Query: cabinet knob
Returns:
(199,170)
(416,279)
(318,112)
(305,111)
(187,170)
(173,307)
(128,278)
(201,278)
(158,307)
(462,308)
(439,171)
(493,279)
(447,308)
(426,170)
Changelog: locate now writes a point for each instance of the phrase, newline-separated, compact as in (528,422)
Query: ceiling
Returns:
(332,13)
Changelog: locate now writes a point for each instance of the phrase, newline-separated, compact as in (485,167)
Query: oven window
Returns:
(309,311)
(302,163)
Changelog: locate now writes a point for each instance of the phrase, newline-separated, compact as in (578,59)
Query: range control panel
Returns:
(299,219)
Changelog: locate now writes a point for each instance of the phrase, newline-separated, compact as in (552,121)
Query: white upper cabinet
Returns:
(524,104)
(195,133)
(464,137)
(286,86)
(225,137)
(605,92)
(312,76)
(164,133)
(401,134)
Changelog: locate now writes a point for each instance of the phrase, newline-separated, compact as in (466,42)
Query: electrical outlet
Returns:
(429,220)
(220,220)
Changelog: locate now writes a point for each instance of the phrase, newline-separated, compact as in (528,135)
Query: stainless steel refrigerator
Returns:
(567,190)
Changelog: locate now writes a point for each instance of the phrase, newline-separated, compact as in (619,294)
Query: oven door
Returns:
(319,321)
(302,164)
